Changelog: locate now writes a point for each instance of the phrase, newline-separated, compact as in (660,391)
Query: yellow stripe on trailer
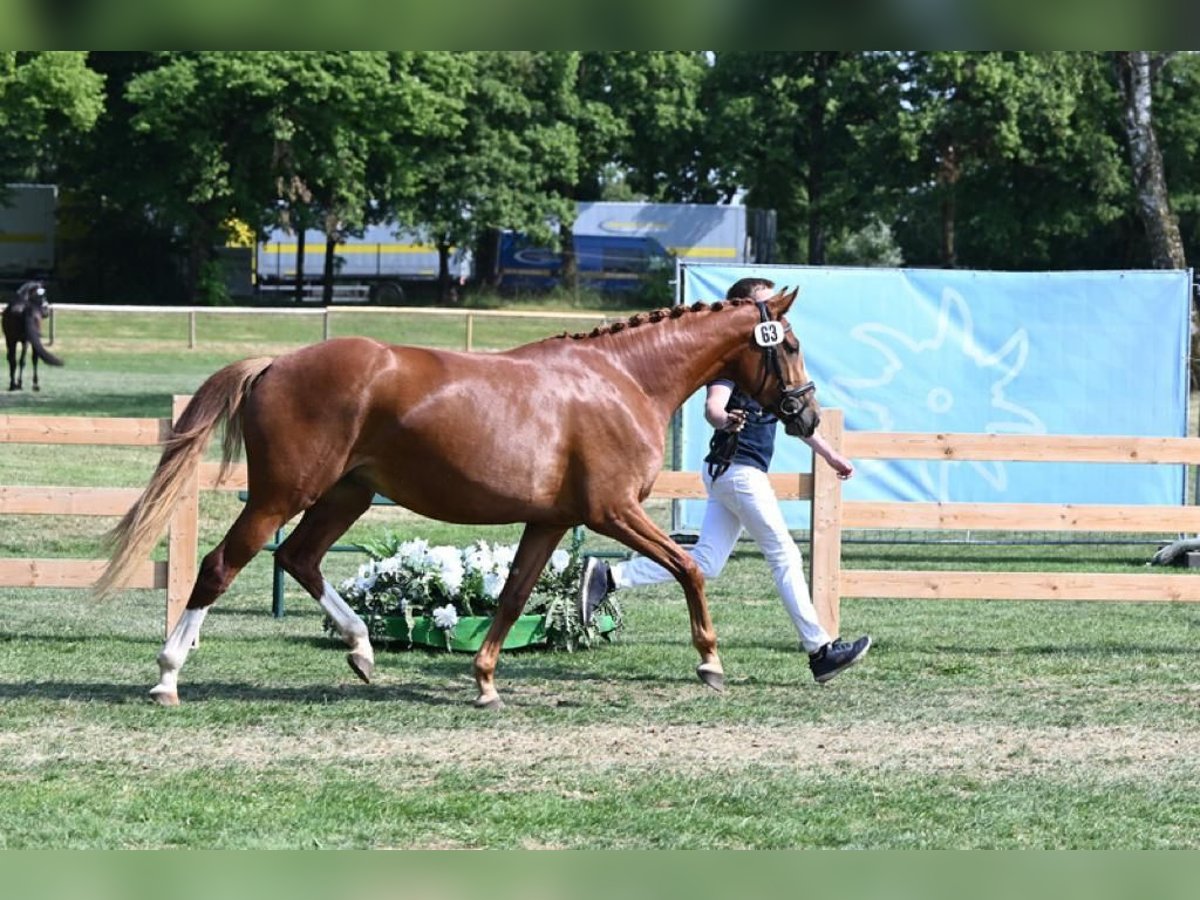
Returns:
(348,249)
(704,252)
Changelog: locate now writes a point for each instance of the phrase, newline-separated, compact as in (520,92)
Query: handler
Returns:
(740,496)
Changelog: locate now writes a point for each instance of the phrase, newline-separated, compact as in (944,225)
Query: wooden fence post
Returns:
(183,537)
(825,549)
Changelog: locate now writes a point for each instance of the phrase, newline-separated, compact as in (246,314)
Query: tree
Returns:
(504,169)
(47,99)
(1016,162)
(812,135)
(350,132)
(650,105)
(201,130)
(1136,71)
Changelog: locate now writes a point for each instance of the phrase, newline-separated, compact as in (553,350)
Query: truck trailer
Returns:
(621,246)
(618,247)
(27,231)
(375,267)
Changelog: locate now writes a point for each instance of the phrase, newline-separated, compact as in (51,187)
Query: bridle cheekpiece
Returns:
(769,333)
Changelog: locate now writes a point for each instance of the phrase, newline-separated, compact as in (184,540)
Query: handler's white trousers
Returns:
(742,498)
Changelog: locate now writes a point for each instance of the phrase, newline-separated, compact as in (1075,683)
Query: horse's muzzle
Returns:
(798,411)
(804,425)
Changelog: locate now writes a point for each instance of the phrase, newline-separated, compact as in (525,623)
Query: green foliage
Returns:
(988,159)
(1015,157)
(47,98)
(503,167)
(872,245)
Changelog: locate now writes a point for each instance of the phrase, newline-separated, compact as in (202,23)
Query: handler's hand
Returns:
(735,420)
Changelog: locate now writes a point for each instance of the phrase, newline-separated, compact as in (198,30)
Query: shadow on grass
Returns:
(28,637)
(228,691)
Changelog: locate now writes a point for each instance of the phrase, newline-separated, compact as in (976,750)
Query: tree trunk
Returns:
(1135,74)
(444,287)
(327,279)
(948,176)
(570,265)
(298,288)
(816,162)
(198,250)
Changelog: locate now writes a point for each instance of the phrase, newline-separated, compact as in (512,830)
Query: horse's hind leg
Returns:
(301,554)
(16,366)
(243,540)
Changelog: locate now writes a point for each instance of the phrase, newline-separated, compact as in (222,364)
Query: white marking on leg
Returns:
(175,651)
(352,629)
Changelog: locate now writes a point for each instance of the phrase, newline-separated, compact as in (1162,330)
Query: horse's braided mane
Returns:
(657,315)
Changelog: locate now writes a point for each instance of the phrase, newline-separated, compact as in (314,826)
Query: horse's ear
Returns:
(784,300)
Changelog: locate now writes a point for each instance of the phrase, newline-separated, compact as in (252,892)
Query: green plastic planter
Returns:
(470,631)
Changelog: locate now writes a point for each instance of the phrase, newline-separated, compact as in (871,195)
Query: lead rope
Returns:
(721,450)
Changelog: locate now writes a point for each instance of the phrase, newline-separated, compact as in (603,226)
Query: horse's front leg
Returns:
(634,529)
(537,543)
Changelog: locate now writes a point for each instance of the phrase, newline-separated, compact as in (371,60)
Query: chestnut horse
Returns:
(565,431)
(23,325)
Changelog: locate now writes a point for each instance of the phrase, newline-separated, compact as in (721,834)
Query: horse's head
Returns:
(771,368)
(32,294)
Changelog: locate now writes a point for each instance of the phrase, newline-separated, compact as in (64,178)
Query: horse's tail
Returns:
(219,399)
(33,332)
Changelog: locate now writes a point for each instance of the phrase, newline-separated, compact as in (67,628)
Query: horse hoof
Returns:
(164,698)
(492,702)
(711,676)
(363,666)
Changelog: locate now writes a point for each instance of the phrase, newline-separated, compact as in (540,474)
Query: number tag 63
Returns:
(768,334)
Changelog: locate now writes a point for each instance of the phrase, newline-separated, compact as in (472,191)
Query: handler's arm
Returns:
(840,464)
(714,409)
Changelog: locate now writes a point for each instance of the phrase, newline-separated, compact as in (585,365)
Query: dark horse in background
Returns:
(561,432)
(23,325)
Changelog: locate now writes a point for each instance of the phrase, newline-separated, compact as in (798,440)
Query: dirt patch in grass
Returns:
(986,752)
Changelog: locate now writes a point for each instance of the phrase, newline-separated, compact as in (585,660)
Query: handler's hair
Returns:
(744,288)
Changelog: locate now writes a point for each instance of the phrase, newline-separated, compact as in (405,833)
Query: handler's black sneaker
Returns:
(594,586)
(836,656)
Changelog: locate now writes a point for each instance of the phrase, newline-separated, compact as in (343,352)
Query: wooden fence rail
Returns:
(971,585)
(830,513)
(175,575)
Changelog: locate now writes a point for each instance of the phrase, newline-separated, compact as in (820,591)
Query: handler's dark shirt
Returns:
(756,441)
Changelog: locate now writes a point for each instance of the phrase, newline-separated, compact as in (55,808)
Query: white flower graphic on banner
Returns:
(932,378)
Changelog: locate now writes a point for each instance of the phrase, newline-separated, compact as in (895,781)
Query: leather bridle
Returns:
(793,400)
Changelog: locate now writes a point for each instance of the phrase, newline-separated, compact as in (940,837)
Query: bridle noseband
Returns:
(791,403)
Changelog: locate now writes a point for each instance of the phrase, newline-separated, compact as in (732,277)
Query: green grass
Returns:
(971,724)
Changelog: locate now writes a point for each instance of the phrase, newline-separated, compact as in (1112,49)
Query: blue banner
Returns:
(1087,353)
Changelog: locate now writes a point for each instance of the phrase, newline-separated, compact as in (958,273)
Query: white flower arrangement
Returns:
(444,583)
